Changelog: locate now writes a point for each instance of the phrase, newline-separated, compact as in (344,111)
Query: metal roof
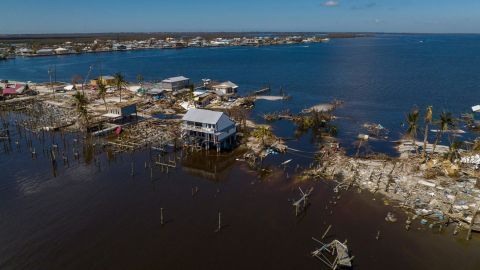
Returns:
(176,79)
(225,85)
(202,116)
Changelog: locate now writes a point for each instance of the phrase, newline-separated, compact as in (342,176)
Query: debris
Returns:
(334,254)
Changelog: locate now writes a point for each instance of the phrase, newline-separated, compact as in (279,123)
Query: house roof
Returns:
(226,85)
(176,79)
(202,116)
(9,91)
(13,90)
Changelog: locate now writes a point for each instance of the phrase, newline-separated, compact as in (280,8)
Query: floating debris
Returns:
(334,254)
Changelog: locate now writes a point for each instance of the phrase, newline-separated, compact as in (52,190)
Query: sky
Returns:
(96,16)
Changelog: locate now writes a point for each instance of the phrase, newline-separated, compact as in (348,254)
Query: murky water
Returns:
(95,215)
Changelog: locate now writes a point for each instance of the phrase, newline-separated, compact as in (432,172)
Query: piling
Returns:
(161,217)
(219,222)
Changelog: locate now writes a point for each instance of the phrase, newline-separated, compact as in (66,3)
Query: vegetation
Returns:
(263,133)
(444,124)
(427,120)
(81,105)
(102,92)
(120,83)
(412,121)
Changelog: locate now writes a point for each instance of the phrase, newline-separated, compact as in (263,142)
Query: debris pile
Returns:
(439,191)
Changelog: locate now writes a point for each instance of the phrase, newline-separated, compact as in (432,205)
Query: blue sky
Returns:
(86,16)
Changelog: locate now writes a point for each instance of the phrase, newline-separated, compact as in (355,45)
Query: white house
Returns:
(45,52)
(175,83)
(225,89)
(61,51)
(207,128)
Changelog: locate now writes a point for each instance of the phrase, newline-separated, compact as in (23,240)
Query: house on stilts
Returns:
(207,129)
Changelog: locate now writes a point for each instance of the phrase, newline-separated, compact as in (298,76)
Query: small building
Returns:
(208,128)
(119,47)
(175,83)
(61,51)
(225,89)
(25,52)
(17,89)
(105,80)
(122,110)
(203,100)
(45,52)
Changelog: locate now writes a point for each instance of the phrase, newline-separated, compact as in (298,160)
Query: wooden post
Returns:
(161,217)
(219,222)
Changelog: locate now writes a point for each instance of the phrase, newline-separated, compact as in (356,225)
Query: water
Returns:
(87,217)
(380,78)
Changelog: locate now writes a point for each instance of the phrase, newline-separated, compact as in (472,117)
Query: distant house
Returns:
(13,90)
(61,51)
(119,47)
(208,128)
(175,83)
(45,52)
(122,110)
(105,80)
(225,89)
(25,51)
(203,100)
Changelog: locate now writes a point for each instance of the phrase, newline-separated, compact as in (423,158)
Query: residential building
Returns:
(45,52)
(203,100)
(122,110)
(225,89)
(208,128)
(105,80)
(61,51)
(176,83)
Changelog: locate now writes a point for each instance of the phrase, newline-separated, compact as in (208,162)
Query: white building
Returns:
(175,83)
(225,89)
(45,52)
(207,128)
(61,51)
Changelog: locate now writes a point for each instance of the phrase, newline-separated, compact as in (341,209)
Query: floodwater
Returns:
(93,214)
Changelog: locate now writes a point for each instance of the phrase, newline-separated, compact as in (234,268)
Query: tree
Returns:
(263,133)
(102,92)
(81,103)
(120,82)
(428,120)
(445,122)
(412,121)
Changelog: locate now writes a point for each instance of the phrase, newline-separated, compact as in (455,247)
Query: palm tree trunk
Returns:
(437,138)
(414,141)
(105,103)
(425,141)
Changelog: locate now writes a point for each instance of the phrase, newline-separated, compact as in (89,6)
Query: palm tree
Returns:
(412,120)
(120,82)
(262,132)
(102,92)
(445,122)
(81,103)
(428,119)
